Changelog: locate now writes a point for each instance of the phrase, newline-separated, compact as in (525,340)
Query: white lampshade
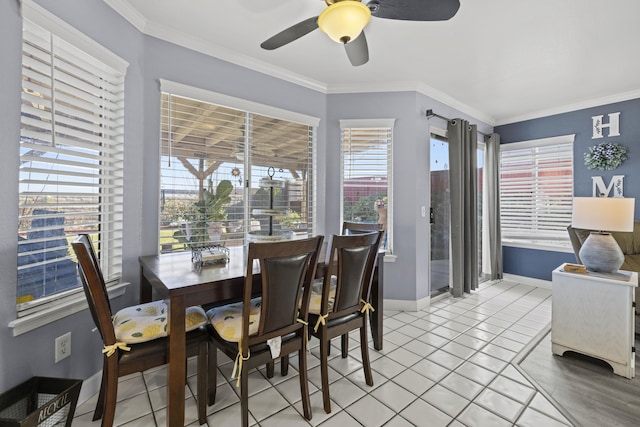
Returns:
(344,21)
(603,213)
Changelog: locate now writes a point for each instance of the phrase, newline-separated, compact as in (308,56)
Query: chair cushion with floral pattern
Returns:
(316,295)
(146,322)
(227,319)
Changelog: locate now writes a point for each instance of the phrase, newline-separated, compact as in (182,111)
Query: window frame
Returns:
(371,124)
(250,109)
(562,242)
(38,312)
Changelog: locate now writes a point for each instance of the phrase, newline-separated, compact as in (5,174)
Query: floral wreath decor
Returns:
(605,156)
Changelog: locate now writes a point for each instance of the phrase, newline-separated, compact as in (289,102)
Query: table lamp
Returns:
(600,251)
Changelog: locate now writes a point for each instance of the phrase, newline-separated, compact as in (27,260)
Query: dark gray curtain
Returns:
(463,181)
(492,180)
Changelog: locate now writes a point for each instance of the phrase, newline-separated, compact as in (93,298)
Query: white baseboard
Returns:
(406,305)
(531,281)
(90,387)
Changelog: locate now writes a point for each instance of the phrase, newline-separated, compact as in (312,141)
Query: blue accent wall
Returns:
(533,263)
(539,263)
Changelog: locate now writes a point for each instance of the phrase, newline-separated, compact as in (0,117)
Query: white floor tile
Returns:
(420,412)
(288,417)
(445,400)
(541,404)
(341,419)
(345,392)
(413,382)
(499,404)
(393,396)
(131,409)
(370,412)
(447,365)
(512,389)
(266,403)
(476,416)
(532,418)
(461,385)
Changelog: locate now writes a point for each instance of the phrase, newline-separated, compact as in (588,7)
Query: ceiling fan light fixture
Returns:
(343,21)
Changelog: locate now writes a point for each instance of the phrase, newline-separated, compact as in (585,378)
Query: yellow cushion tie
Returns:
(322,320)
(110,349)
(306,336)
(237,365)
(366,307)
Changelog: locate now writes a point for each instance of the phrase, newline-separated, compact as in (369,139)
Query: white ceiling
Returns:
(499,60)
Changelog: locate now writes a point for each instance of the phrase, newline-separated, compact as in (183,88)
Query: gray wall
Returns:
(539,264)
(150,59)
(407,278)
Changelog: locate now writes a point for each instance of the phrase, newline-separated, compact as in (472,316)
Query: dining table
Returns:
(183,283)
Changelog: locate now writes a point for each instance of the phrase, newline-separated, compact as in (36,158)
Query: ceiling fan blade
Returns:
(358,50)
(414,10)
(292,33)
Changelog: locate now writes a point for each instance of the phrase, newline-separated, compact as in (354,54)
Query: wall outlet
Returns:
(63,347)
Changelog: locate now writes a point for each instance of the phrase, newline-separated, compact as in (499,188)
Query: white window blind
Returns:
(213,161)
(71,162)
(366,173)
(536,191)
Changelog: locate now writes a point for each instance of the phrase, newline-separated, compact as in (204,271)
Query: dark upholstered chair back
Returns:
(94,287)
(352,260)
(349,227)
(287,269)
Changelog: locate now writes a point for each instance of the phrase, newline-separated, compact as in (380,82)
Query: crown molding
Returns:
(596,102)
(455,103)
(129,13)
(419,87)
(171,35)
(197,44)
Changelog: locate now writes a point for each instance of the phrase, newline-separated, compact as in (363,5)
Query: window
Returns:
(366,173)
(536,191)
(217,164)
(71,157)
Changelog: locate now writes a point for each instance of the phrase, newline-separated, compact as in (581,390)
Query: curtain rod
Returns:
(430,114)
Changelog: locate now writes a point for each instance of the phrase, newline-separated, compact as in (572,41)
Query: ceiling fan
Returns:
(344,21)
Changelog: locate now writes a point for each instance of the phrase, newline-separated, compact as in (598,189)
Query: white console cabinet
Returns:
(593,314)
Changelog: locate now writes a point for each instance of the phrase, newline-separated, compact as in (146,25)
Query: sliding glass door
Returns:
(440,215)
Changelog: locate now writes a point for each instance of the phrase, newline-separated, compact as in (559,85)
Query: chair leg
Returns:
(202,381)
(212,368)
(345,345)
(304,384)
(364,348)
(284,365)
(97,414)
(270,369)
(111,391)
(324,371)
(244,396)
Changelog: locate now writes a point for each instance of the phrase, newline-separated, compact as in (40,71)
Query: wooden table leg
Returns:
(375,317)
(145,288)
(177,369)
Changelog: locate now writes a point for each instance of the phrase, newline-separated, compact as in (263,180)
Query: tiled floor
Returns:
(450,365)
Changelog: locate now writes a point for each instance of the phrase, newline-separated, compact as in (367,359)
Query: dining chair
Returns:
(350,227)
(264,327)
(340,303)
(135,338)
